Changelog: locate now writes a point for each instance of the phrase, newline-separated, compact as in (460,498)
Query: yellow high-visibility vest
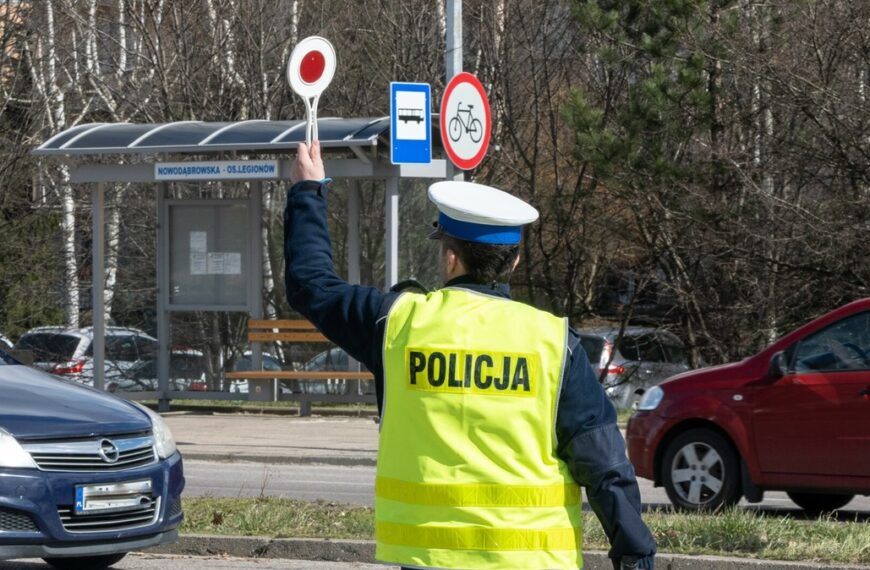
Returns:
(467,471)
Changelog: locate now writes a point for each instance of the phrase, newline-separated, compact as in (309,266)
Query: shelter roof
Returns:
(197,137)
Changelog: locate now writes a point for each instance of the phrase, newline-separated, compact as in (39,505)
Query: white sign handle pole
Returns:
(315,134)
(311,131)
(310,120)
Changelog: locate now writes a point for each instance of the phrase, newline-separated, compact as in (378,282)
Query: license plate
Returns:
(105,497)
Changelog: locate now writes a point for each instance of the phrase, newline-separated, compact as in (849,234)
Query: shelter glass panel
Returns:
(250,133)
(339,129)
(112,136)
(209,249)
(181,134)
(374,129)
(66,135)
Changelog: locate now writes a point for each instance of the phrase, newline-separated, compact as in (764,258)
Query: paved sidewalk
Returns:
(276,439)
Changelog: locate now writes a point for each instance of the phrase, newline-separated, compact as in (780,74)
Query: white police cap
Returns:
(478,213)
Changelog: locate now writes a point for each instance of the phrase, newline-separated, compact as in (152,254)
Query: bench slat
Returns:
(299,375)
(292,324)
(288,336)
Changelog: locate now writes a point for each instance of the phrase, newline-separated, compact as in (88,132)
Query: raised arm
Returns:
(345,313)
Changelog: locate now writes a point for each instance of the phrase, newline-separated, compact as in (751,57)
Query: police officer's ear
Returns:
(450,262)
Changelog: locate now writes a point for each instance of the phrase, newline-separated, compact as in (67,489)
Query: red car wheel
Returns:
(701,471)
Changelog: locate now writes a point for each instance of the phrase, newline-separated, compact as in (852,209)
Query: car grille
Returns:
(109,522)
(103,454)
(12,521)
(176,508)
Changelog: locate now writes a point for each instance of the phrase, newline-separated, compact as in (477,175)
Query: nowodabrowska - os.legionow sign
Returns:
(217,170)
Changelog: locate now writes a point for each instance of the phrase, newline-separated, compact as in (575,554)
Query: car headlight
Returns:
(651,399)
(163,440)
(12,454)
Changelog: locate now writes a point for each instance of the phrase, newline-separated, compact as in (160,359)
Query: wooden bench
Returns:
(293,331)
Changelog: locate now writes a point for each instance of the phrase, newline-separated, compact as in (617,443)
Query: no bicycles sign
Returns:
(466,121)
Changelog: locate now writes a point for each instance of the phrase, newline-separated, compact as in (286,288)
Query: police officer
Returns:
(491,416)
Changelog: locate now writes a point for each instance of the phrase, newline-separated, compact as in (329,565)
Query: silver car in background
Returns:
(69,352)
(641,358)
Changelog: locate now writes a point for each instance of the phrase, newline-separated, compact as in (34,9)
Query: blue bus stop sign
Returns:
(410,123)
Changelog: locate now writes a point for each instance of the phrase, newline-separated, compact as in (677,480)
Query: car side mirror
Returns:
(778,366)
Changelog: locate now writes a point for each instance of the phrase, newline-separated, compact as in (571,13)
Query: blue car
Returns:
(84,477)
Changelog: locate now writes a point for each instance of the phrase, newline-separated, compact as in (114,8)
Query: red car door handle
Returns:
(865,393)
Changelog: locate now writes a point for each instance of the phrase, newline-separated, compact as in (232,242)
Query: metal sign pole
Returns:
(98,276)
(453,61)
(391,269)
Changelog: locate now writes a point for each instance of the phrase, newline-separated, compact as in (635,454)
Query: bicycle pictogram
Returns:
(470,125)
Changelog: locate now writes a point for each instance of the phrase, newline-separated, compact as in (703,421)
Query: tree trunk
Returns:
(56,103)
(70,262)
(113,231)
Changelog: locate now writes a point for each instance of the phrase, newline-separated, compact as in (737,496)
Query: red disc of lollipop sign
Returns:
(309,71)
(312,66)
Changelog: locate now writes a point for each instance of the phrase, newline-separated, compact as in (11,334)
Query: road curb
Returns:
(262,411)
(364,551)
(341,460)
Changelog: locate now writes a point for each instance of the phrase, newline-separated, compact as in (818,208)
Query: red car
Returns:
(795,417)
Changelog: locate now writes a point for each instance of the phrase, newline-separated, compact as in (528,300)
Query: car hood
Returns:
(36,405)
(722,376)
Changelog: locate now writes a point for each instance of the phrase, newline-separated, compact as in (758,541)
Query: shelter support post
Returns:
(353,241)
(98,280)
(255,287)
(391,210)
(163,330)
(353,256)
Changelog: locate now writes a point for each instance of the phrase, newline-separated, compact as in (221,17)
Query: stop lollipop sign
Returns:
(309,71)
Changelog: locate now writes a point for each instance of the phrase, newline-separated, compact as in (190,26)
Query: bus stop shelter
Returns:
(245,153)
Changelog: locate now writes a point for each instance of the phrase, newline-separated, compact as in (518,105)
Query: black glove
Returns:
(628,563)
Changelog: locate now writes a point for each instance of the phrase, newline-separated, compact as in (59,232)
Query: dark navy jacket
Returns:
(353,317)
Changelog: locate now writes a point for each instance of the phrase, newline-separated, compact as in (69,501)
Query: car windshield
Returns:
(187,366)
(181,366)
(593,345)
(675,354)
(49,347)
(244,363)
(145,369)
(330,360)
(6,359)
(644,347)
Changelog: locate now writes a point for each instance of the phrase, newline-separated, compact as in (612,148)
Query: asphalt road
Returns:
(355,484)
(137,561)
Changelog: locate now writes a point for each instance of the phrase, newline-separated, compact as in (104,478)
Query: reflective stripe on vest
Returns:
(475,495)
(479,538)
(467,472)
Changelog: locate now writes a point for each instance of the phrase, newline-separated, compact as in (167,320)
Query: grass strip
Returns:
(734,532)
(277,518)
